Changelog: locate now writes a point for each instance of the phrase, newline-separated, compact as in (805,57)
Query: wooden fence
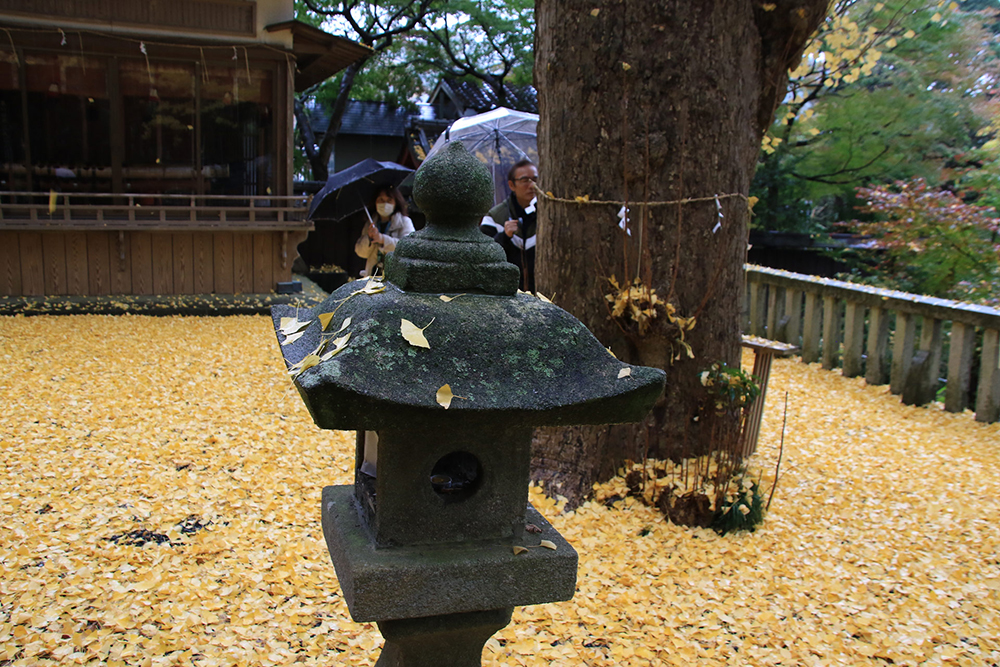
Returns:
(147,244)
(913,343)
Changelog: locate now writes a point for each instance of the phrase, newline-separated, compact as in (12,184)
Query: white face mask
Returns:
(385,209)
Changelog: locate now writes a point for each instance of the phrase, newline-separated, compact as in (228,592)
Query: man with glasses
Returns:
(516,232)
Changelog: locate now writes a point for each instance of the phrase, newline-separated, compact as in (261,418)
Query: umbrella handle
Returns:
(364,207)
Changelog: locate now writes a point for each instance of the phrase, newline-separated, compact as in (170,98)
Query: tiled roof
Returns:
(481,98)
(366,118)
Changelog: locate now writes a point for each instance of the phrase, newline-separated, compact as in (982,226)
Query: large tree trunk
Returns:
(654,101)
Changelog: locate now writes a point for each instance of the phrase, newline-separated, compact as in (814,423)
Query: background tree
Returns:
(377,25)
(931,242)
(488,41)
(414,43)
(886,91)
(654,102)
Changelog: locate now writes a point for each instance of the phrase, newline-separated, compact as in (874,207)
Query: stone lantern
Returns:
(436,541)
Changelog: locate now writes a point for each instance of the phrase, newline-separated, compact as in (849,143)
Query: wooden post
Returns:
(920,387)
(793,313)
(962,349)
(831,332)
(810,330)
(761,372)
(854,338)
(876,369)
(774,307)
(988,394)
(931,340)
(756,310)
(902,351)
(764,353)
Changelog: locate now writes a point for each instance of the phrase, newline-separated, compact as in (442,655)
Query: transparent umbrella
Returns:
(499,138)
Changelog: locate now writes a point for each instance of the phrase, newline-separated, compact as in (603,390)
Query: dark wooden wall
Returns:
(53,263)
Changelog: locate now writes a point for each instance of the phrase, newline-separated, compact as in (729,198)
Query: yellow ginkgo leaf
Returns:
(547,545)
(346,323)
(595,11)
(291,325)
(520,550)
(309,361)
(324,319)
(611,353)
(293,337)
(413,334)
(338,345)
(444,396)
(448,299)
(542,297)
(624,373)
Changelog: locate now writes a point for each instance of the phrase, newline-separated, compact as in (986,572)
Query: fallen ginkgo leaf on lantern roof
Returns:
(371,287)
(542,297)
(291,338)
(307,362)
(346,323)
(444,396)
(292,325)
(520,550)
(447,299)
(413,334)
(324,320)
(624,373)
(338,345)
(547,544)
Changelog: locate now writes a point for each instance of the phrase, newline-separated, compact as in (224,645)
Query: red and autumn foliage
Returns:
(929,241)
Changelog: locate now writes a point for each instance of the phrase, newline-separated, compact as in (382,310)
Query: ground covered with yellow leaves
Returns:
(160,503)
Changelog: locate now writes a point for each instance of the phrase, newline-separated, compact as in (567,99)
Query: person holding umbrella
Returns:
(379,236)
(512,222)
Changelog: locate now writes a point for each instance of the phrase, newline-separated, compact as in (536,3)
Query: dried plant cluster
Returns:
(720,490)
(717,491)
(160,503)
(634,306)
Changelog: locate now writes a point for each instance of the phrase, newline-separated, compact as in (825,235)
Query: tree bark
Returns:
(654,101)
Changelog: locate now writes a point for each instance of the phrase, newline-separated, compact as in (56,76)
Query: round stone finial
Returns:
(453,188)
(450,254)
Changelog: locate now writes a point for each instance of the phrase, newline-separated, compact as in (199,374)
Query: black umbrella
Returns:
(352,189)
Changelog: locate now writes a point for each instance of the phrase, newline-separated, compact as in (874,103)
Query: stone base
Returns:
(412,582)
(455,640)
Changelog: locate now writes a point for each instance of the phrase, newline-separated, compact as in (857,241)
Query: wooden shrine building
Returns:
(146,147)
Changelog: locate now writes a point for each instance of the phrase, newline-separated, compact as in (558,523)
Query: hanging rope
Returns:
(585,199)
(204,66)
(17,60)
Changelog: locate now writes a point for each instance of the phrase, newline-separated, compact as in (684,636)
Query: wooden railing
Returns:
(874,332)
(39,211)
